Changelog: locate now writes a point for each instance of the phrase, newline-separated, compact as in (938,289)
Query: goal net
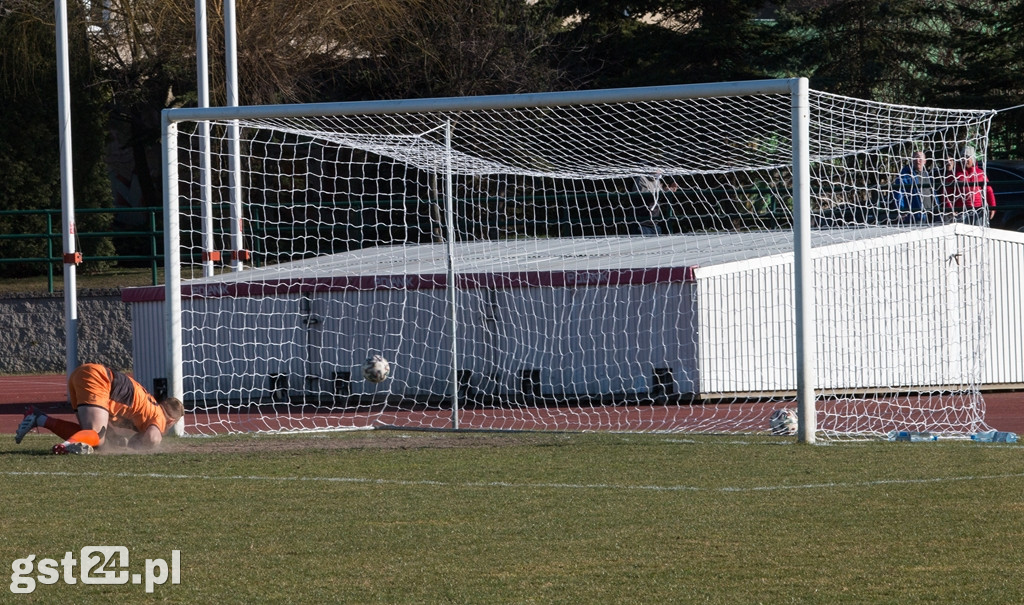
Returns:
(604,260)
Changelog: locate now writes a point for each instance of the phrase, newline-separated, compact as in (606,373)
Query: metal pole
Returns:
(172,266)
(509,101)
(452,286)
(235,164)
(803,277)
(203,90)
(71,256)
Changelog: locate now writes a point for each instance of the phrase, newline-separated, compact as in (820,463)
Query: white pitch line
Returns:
(503,484)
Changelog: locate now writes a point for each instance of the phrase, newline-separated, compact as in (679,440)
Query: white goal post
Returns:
(672,258)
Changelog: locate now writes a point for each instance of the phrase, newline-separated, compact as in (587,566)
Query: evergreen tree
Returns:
(635,43)
(872,49)
(30,140)
(988,69)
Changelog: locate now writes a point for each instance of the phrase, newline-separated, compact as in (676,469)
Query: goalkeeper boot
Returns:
(69,447)
(29,422)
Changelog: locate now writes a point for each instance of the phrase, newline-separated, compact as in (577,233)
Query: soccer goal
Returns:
(679,258)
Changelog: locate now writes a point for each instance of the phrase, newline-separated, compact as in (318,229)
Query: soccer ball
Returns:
(783,422)
(376,368)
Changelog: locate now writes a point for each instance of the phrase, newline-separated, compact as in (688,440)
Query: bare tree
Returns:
(286,48)
(460,47)
(147,53)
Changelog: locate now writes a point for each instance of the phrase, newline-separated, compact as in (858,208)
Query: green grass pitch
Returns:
(421,517)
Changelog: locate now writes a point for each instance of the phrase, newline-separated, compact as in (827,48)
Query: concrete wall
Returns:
(32,332)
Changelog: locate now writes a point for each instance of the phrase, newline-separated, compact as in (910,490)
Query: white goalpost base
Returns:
(502,254)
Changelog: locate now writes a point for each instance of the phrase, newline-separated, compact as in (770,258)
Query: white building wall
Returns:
(232,346)
(405,326)
(898,315)
(730,331)
(745,327)
(149,342)
(1004,352)
(596,340)
(583,340)
(891,313)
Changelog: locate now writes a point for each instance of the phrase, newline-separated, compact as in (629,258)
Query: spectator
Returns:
(915,194)
(106,401)
(648,215)
(970,197)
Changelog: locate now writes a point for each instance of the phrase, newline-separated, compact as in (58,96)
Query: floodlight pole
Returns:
(203,91)
(234,158)
(71,255)
(803,278)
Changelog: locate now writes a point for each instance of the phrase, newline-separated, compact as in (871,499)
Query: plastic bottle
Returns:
(911,436)
(984,436)
(1005,437)
(995,436)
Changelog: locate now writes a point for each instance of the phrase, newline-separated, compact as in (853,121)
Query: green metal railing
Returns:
(53,243)
(539,216)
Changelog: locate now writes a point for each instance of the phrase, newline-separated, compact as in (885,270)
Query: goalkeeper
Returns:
(110,406)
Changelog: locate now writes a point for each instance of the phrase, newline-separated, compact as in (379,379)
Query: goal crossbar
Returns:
(488,102)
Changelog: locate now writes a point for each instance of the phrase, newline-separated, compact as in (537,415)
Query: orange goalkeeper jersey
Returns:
(118,393)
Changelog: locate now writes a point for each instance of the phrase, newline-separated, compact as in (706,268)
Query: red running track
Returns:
(1004,409)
